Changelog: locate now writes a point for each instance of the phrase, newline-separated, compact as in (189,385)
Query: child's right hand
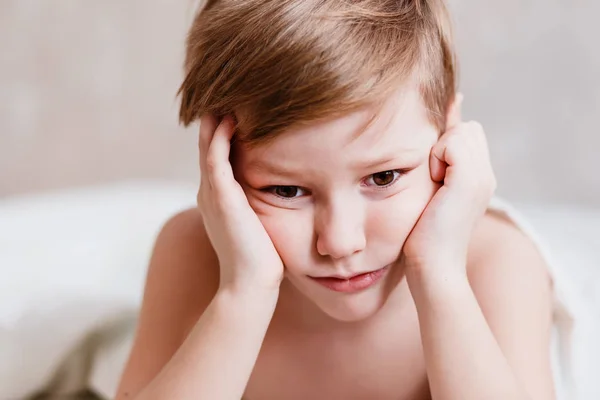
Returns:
(247,257)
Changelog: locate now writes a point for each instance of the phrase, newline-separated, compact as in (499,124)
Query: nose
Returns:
(339,228)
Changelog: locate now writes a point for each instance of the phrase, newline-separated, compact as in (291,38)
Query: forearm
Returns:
(217,358)
(464,360)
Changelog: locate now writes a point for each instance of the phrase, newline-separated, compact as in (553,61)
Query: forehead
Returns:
(401,124)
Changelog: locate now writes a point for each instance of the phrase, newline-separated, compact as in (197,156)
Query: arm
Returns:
(217,358)
(484,323)
(488,336)
(226,251)
(224,329)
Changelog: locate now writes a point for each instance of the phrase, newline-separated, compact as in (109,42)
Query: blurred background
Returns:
(92,158)
(88,93)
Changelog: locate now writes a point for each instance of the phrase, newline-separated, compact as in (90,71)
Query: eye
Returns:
(385,178)
(286,192)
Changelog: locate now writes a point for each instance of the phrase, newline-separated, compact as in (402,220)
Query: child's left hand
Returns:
(437,246)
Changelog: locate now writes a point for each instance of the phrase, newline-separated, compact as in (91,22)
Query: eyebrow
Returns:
(371,164)
(272,169)
(405,155)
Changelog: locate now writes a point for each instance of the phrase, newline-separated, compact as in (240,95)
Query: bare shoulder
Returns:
(513,287)
(501,252)
(184,267)
(181,281)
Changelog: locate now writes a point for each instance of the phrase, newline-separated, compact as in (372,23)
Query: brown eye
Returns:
(286,191)
(383,178)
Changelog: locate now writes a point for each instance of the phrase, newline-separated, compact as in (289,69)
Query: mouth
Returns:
(354,283)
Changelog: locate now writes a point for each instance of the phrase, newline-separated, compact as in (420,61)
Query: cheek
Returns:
(291,232)
(393,219)
(390,221)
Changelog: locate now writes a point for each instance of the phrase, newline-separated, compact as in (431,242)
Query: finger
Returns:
(208,125)
(454,116)
(217,158)
(445,154)
(437,166)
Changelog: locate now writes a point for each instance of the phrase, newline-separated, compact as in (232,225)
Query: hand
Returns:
(438,244)
(247,257)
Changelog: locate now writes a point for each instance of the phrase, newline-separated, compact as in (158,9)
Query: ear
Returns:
(454,113)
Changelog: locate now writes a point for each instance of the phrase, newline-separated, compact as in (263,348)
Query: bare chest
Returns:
(385,364)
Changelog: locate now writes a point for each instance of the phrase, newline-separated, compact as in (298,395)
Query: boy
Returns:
(344,245)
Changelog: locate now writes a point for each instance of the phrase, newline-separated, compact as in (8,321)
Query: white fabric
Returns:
(72,268)
(566,304)
(71,264)
(569,238)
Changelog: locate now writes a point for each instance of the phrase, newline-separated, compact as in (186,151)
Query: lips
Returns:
(344,277)
(352,283)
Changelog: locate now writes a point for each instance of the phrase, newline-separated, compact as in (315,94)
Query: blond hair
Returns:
(291,62)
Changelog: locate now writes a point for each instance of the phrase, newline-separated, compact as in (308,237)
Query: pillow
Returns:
(72,264)
(572,236)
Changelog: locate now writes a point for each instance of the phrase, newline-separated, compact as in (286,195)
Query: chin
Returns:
(354,307)
(346,307)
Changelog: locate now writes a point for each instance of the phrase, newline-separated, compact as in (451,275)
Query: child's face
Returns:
(329,206)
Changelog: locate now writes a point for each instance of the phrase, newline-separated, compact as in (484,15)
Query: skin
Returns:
(466,295)
(340,221)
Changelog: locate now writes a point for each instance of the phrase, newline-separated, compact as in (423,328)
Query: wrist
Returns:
(248,297)
(241,280)
(437,281)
